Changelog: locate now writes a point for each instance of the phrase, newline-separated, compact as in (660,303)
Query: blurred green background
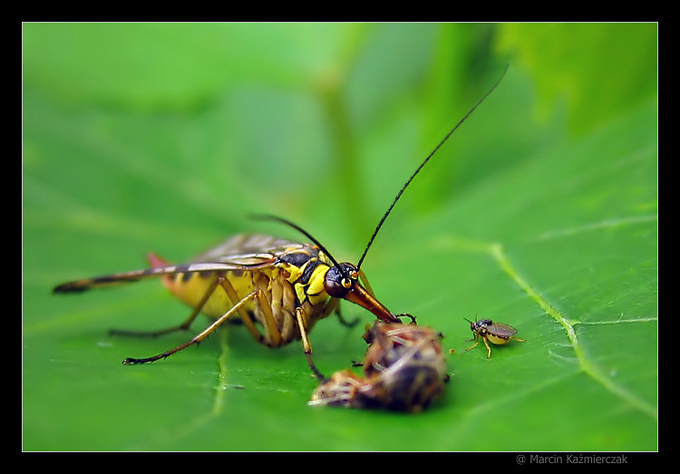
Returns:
(540,212)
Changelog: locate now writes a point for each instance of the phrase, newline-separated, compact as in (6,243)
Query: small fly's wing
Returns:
(502,330)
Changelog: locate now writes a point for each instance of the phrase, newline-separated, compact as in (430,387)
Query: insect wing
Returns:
(247,250)
(501,330)
(136,275)
(241,252)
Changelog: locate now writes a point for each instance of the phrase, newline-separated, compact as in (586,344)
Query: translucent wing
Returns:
(241,252)
(502,330)
(247,249)
(136,275)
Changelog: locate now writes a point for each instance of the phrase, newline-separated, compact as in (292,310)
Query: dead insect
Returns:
(282,286)
(405,364)
(344,389)
(404,370)
(487,330)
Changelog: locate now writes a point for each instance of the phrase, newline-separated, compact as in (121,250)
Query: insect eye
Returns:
(340,279)
(334,290)
(336,283)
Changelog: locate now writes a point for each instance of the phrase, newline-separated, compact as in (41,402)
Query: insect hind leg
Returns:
(182,327)
(199,337)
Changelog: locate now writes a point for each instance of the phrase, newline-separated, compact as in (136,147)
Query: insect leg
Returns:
(406,315)
(367,285)
(364,280)
(272,337)
(198,338)
(182,327)
(488,348)
(271,329)
(245,317)
(334,305)
(301,318)
(476,339)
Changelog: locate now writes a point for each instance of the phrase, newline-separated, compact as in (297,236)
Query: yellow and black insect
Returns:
(497,333)
(284,287)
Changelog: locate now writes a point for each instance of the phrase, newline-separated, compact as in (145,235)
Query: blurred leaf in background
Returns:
(540,212)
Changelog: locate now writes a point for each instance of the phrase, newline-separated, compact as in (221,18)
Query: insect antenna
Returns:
(403,188)
(267,217)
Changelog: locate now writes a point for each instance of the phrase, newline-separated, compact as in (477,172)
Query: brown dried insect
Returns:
(404,370)
(344,389)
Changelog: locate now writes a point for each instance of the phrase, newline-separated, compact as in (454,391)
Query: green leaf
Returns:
(165,137)
(599,70)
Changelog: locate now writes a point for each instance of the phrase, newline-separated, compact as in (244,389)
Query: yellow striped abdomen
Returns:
(278,292)
(192,287)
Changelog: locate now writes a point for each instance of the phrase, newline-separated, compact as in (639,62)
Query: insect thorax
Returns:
(305,269)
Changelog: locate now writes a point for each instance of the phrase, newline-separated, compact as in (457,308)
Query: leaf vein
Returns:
(585,363)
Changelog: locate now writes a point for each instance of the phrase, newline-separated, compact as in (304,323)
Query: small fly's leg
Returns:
(201,336)
(486,343)
(488,348)
(476,339)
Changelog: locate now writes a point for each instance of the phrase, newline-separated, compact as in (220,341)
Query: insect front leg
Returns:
(488,347)
(364,280)
(343,321)
(367,285)
(301,318)
(334,305)
(476,339)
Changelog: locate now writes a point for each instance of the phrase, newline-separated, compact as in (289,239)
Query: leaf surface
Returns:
(165,137)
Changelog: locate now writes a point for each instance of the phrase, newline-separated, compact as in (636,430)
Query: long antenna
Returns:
(403,188)
(267,217)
